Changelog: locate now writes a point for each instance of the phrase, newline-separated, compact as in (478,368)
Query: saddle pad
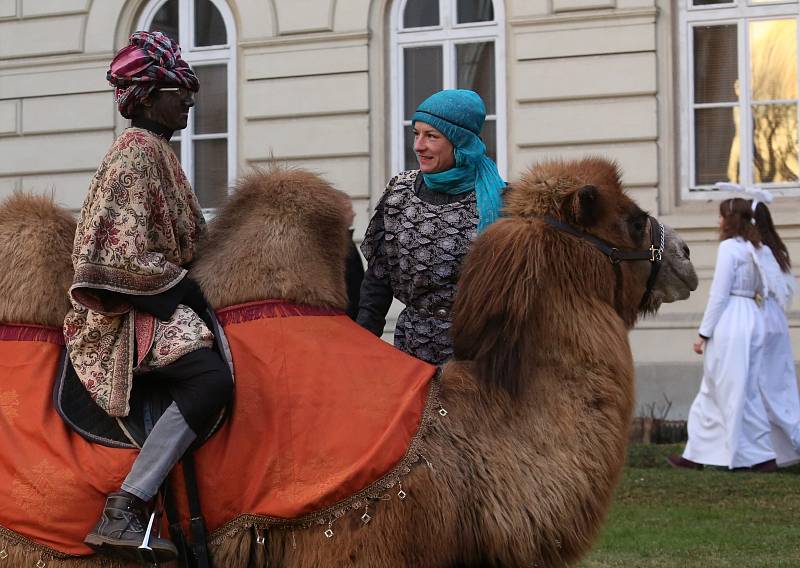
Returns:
(75,406)
(322,410)
(149,398)
(53,483)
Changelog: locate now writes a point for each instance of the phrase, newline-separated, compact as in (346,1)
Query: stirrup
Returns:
(146,553)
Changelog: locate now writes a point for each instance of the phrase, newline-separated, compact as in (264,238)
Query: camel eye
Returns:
(638,225)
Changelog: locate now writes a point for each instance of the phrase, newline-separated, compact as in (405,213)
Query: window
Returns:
(739,108)
(205,31)
(447,44)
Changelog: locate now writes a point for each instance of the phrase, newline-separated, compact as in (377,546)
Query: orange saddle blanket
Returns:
(323,409)
(323,412)
(53,483)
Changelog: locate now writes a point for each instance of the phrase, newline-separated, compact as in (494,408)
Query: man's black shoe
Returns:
(122,528)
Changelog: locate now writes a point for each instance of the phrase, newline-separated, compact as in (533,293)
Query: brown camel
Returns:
(522,468)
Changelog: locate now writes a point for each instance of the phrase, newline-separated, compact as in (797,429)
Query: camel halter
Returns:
(616,255)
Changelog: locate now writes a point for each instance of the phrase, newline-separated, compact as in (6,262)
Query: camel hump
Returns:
(290,223)
(36,237)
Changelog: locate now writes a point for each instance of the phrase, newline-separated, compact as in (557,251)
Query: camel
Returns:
(519,464)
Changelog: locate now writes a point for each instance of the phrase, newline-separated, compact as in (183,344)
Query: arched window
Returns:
(207,147)
(447,44)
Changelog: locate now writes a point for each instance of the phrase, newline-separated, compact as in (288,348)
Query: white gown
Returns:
(728,423)
(778,378)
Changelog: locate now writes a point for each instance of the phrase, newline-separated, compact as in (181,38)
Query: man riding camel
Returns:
(135,313)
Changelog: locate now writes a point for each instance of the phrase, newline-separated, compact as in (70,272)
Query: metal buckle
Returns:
(655,253)
(613,256)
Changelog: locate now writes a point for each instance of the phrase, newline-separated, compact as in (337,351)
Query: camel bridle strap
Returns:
(616,255)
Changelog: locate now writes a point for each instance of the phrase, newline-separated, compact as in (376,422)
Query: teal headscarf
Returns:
(459,114)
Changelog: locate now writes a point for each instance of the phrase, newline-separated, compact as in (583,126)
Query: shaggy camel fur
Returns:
(524,464)
(292,247)
(35,264)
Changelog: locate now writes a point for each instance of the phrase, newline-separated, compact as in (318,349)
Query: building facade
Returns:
(682,93)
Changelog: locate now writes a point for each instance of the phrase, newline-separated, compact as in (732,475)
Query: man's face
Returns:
(170,106)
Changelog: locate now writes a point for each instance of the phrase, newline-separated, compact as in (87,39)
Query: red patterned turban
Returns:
(149,59)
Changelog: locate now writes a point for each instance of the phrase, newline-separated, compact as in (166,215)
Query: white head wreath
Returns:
(757,194)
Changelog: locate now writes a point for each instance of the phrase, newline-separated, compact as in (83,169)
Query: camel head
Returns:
(283,234)
(540,268)
(587,194)
(36,239)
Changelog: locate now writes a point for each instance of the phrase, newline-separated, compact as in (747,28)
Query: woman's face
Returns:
(434,151)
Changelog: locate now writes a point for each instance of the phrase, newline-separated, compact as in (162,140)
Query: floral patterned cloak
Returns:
(139,225)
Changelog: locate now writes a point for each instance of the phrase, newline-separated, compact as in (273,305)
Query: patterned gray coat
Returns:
(414,246)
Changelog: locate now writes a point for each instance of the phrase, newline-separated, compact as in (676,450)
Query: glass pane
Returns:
(774,143)
(422,74)
(211,171)
(476,71)
(475,11)
(710,2)
(176,147)
(489,137)
(773,59)
(421,13)
(211,101)
(209,28)
(166,20)
(716,145)
(715,64)
(411,162)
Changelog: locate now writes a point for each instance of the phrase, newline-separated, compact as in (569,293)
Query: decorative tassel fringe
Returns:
(24,555)
(237,551)
(19,553)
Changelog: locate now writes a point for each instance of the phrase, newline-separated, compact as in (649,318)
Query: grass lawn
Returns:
(667,517)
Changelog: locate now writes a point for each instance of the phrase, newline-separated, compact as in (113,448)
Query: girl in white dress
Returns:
(778,378)
(728,423)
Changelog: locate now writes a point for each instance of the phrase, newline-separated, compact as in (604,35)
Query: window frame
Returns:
(199,57)
(448,34)
(739,13)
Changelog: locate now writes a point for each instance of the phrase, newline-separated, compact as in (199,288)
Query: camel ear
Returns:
(496,290)
(587,206)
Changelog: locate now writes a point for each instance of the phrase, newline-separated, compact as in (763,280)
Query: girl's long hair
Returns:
(737,221)
(770,237)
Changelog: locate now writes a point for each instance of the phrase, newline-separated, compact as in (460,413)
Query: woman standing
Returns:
(778,378)
(424,223)
(727,422)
